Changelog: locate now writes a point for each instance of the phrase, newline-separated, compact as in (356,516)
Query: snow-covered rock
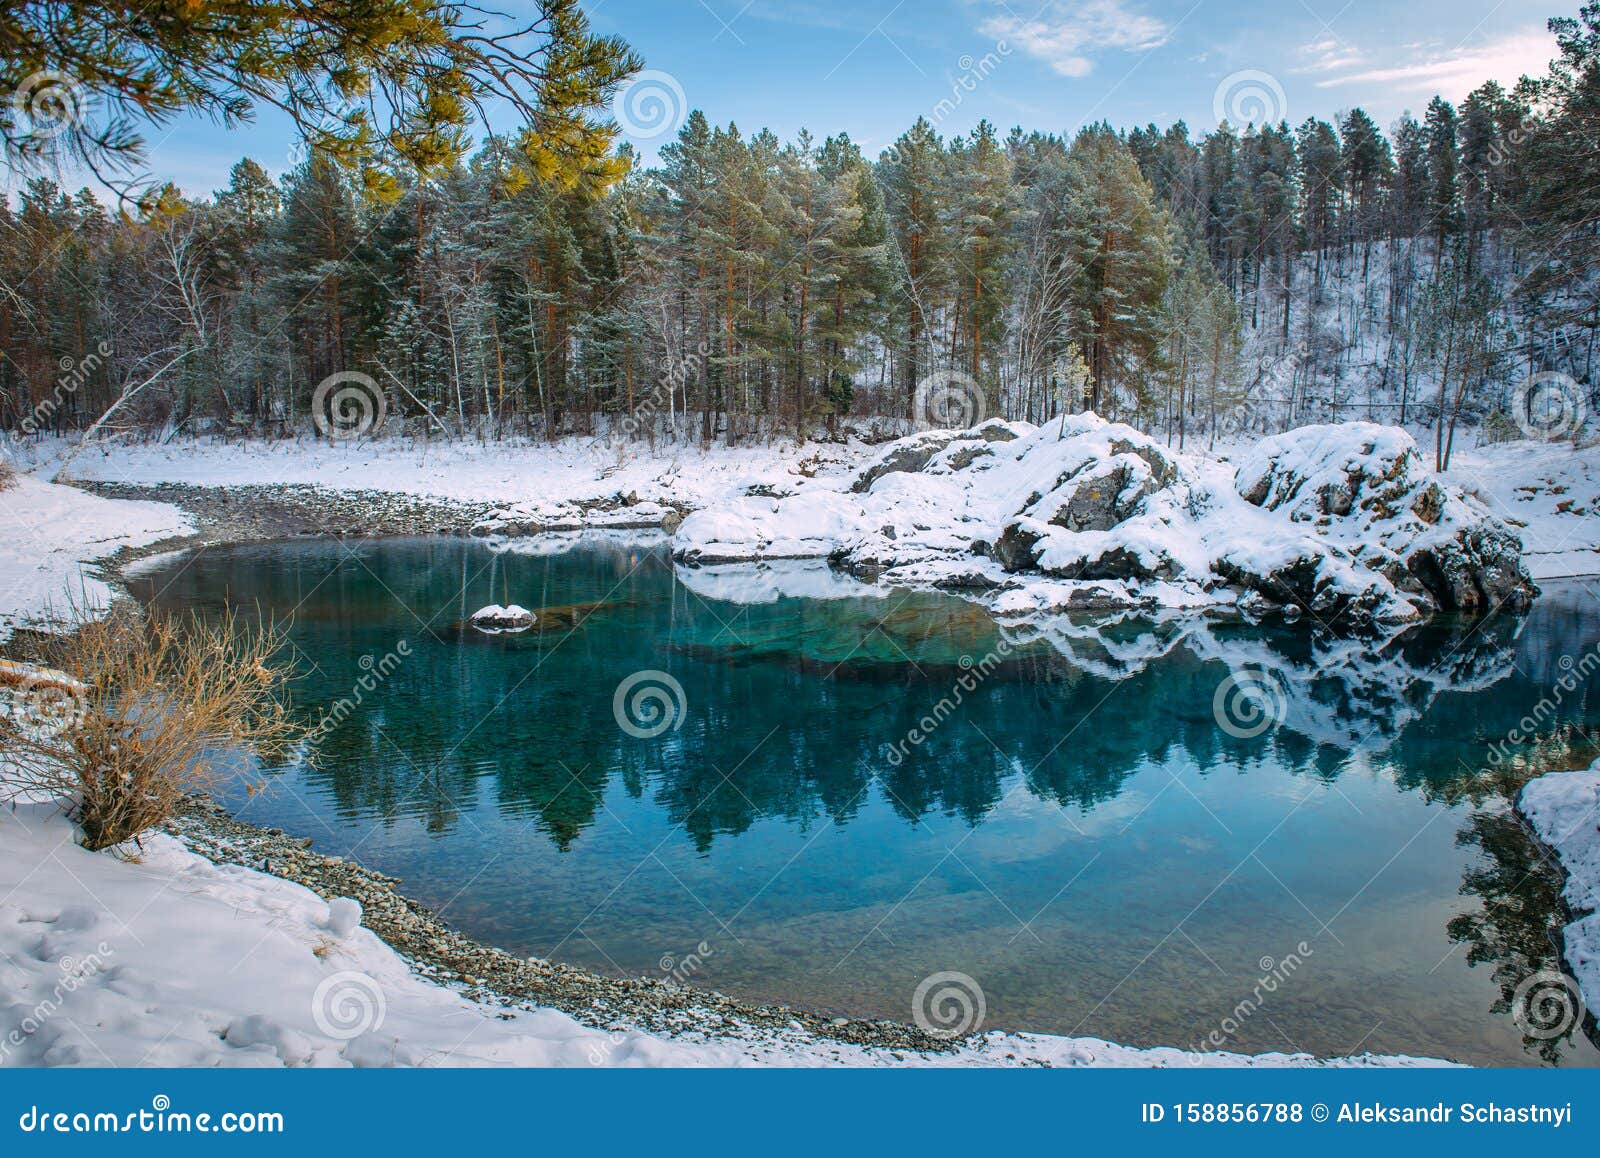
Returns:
(914,452)
(623,512)
(1343,522)
(1365,488)
(497,618)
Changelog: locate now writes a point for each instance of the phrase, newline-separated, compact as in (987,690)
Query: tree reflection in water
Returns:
(800,709)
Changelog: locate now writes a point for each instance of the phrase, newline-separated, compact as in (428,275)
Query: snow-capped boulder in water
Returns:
(1344,522)
(495,618)
(1366,490)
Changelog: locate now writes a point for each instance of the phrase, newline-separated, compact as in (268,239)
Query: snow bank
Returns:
(542,485)
(1340,521)
(171,960)
(1548,492)
(51,535)
(1564,809)
(537,517)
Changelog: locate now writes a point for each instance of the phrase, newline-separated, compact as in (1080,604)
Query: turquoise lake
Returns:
(1076,832)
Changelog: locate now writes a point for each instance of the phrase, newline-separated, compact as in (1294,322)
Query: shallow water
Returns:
(855,793)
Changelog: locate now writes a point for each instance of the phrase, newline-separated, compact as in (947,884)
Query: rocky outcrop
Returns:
(1365,487)
(914,453)
(620,512)
(1342,522)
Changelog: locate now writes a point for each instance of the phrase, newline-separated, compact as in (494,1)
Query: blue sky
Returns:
(872,66)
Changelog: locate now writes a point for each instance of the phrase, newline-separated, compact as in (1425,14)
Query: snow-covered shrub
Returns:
(133,714)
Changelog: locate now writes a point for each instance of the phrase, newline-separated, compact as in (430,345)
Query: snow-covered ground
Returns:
(1564,809)
(166,959)
(51,535)
(518,475)
(1548,493)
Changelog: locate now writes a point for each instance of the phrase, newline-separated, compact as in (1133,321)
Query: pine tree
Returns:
(1120,247)
(913,177)
(370,86)
(1444,172)
(981,205)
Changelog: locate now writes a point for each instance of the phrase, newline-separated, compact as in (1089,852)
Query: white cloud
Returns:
(1067,35)
(1328,54)
(1454,73)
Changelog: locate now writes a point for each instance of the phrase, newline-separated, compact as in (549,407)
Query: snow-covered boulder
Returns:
(1115,507)
(1364,488)
(1339,521)
(915,452)
(495,618)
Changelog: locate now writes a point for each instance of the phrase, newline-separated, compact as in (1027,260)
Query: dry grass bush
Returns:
(8,473)
(140,712)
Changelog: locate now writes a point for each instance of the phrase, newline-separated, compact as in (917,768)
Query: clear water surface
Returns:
(1076,833)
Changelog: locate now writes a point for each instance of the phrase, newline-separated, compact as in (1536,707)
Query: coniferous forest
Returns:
(746,287)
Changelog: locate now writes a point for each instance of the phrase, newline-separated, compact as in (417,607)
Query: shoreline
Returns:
(492,976)
(483,974)
(228,516)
